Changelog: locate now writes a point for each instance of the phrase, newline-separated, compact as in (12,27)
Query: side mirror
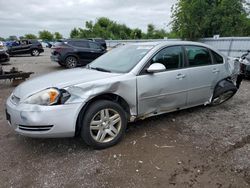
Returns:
(156,67)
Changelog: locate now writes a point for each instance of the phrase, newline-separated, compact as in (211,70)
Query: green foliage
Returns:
(46,35)
(2,39)
(74,33)
(108,29)
(29,36)
(57,36)
(12,38)
(194,19)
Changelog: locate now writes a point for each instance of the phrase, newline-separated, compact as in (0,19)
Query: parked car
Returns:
(71,53)
(32,47)
(101,41)
(4,56)
(128,83)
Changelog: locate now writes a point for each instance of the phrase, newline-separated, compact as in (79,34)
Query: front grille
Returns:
(35,128)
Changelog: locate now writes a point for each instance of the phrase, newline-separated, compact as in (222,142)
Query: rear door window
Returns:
(94,46)
(81,44)
(198,56)
(217,58)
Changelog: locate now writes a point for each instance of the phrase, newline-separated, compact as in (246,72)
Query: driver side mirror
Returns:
(156,67)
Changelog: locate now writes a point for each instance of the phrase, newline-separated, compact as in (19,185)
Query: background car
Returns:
(4,56)
(71,53)
(32,47)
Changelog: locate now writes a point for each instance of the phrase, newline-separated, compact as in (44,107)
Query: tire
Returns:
(223,92)
(107,128)
(35,52)
(71,62)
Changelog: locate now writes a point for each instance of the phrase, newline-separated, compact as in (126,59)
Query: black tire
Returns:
(94,111)
(224,91)
(71,62)
(35,52)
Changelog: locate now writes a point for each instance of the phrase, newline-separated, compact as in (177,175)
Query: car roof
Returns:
(163,43)
(81,40)
(170,43)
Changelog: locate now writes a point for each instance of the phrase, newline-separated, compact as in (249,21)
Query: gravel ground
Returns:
(198,147)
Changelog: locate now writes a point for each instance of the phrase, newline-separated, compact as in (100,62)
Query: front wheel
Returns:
(103,124)
(35,52)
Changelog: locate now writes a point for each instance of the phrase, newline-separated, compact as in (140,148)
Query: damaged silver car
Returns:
(131,82)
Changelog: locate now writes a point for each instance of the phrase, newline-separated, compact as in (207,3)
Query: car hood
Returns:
(60,79)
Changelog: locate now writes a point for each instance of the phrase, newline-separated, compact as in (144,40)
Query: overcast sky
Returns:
(30,16)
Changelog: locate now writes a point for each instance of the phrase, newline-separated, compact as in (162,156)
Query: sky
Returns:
(19,17)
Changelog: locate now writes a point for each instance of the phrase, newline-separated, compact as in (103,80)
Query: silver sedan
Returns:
(131,82)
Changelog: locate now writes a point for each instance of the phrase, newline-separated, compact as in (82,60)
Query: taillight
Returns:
(58,49)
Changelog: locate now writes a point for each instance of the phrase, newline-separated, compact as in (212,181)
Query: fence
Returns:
(230,46)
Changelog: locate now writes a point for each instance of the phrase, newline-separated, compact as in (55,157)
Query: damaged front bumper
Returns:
(43,121)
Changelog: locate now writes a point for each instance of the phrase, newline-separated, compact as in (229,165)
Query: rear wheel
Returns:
(35,52)
(71,62)
(103,124)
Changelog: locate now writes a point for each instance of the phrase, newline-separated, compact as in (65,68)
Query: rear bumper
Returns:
(41,50)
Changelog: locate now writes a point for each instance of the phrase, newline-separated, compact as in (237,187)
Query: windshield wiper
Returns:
(99,69)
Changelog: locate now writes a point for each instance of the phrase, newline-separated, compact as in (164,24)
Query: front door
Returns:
(164,91)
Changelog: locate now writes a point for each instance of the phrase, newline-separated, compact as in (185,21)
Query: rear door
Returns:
(96,50)
(202,75)
(81,48)
(164,91)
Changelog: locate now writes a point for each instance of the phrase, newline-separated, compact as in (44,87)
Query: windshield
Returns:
(122,59)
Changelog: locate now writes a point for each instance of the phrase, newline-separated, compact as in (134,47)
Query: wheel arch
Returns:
(223,85)
(69,55)
(105,96)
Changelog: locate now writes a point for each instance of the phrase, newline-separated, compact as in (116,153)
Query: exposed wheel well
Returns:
(108,96)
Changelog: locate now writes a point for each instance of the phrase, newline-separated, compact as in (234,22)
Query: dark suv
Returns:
(32,47)
(71,53)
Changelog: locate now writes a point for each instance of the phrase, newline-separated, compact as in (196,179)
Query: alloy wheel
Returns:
(105,125)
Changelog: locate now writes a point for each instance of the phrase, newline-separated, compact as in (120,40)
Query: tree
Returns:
(2,39)
(58,36)
(194,19)
(29,36)
(74,33)
(12,38)
(46,35)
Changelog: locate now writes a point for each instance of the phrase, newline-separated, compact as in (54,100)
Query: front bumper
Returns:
(43,121)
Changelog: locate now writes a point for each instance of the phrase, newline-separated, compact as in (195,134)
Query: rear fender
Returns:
(223,86)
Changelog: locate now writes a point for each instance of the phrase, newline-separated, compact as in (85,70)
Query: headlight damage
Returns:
(48,97)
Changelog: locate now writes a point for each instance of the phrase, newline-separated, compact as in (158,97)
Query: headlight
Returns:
(48,97)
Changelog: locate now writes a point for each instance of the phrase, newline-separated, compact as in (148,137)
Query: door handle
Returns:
(215,70)
(180,76)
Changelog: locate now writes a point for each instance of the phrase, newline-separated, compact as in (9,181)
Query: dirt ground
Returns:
(198,147)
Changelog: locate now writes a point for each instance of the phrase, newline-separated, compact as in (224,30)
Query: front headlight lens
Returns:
(47,97)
